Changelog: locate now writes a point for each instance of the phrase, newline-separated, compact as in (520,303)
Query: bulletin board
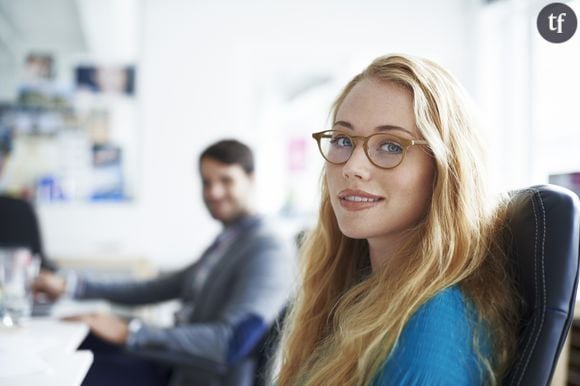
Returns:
(72,141)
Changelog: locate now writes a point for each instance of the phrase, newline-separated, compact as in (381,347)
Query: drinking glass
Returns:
(18,268)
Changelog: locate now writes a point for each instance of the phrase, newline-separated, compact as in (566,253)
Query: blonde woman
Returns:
(404,281)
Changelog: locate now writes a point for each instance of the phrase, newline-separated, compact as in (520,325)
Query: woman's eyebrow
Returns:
(393,127)
(349,125)
(343,123)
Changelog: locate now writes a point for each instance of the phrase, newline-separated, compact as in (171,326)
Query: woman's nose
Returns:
(358,165)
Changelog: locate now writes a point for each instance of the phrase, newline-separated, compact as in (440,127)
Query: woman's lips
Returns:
(354,200)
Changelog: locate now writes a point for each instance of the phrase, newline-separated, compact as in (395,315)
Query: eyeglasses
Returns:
(385,151)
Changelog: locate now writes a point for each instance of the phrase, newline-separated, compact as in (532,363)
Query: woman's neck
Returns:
(383,248)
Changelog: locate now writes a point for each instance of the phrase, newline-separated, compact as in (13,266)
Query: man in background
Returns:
(230,296)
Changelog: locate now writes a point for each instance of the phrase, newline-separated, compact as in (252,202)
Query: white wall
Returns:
(527,90)
(205,71)
(556,70)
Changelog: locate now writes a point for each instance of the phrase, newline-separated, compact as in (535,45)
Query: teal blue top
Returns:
(436,346)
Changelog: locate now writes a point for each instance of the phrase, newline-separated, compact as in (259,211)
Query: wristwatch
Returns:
(134,326)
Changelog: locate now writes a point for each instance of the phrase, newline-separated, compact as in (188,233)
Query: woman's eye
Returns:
(341,141)
(391,147)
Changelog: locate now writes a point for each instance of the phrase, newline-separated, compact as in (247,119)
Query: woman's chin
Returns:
(354,232)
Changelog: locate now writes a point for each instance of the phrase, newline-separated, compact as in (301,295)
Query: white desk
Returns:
(52,341)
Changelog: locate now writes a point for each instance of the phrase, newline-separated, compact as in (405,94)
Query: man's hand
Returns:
(106,326)
(49,284)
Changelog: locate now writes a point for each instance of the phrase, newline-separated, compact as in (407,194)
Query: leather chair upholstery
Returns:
(544,223)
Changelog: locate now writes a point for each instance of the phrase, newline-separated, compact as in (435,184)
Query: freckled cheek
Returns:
(410,189)
(332,176)
(419,193)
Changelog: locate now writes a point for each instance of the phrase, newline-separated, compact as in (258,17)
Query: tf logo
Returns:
(557,22)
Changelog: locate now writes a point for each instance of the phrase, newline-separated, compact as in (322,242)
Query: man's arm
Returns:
(108,326)
(132,292)
(261,288)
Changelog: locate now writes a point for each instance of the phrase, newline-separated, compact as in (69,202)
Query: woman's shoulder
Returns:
(437,345)
(447,321)
(449,307)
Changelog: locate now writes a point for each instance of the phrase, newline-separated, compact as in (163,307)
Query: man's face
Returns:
(227,190)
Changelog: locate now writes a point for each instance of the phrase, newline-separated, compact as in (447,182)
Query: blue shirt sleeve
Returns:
(436,347)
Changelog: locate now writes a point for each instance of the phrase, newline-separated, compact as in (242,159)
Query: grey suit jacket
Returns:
(246,287)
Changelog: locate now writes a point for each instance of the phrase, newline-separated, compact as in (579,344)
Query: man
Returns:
(230,296)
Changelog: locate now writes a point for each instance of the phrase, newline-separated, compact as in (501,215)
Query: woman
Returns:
(404,280)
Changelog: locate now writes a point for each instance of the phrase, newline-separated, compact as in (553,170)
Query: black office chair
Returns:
(266,350)
(544,224)
(19,228)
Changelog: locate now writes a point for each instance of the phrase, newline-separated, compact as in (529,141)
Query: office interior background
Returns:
(110,102)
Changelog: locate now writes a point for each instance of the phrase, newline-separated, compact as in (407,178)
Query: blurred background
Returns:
(109,103)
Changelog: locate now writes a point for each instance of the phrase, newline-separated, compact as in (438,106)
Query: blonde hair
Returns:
(342,327)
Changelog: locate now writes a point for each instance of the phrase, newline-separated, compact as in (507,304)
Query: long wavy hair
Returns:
(343,324)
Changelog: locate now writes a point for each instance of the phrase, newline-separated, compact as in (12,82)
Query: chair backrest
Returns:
(267,348)
(19,228)
(544,223)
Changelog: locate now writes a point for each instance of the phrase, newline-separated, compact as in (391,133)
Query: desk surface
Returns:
(50,346)
(66,369)
(46,335)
